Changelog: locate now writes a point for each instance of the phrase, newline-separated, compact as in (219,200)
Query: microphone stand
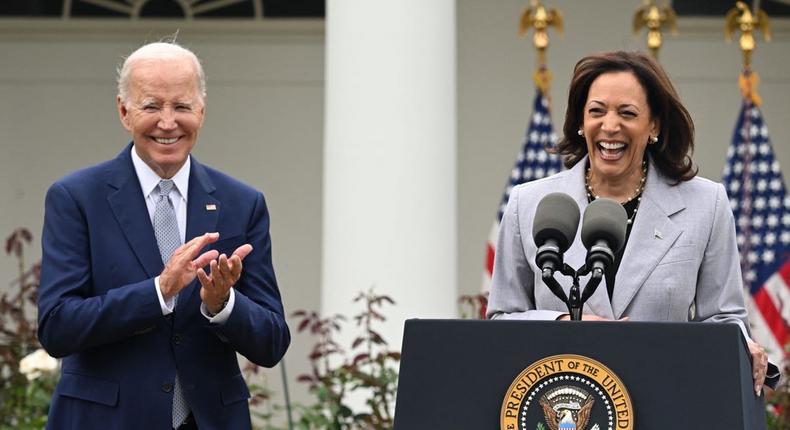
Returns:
(576,301)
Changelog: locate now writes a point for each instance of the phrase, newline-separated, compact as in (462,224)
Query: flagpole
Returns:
(756,190)
(536,158)
(538,18)
(741,18)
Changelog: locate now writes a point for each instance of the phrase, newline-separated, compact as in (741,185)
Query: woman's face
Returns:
(617,126)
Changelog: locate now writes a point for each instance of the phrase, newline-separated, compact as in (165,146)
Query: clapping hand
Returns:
(180,269)
(223,273)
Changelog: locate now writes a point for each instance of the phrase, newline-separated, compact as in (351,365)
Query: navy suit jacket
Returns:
(98,308)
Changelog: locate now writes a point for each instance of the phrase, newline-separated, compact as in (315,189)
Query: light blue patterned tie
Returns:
(169,239)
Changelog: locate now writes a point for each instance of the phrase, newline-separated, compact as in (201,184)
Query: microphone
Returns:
(554,227)
(603,232)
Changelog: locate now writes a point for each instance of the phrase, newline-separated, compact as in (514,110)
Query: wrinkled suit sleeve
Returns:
(719,295)
(513,281)
(74,314)
(256,327)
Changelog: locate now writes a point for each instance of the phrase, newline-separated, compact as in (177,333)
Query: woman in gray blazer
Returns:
(627,137)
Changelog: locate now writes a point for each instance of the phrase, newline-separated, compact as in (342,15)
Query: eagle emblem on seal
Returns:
(567,408)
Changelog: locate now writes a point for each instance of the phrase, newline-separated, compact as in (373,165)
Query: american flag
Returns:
(762,216)
(533,162)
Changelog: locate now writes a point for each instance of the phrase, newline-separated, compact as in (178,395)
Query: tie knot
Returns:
(165,185)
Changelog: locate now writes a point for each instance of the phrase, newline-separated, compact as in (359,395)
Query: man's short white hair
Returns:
(158,51)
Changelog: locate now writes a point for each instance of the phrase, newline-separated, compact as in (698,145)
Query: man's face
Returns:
(164,112)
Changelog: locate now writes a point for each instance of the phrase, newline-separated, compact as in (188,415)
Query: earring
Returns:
(653,139)
(580,132)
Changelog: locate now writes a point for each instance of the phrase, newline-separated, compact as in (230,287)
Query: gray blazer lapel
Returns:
(598,303)
(652,235)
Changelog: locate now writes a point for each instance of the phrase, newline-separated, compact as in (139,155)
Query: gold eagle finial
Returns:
(741,18)
(655,18)
(747,21)
(540,18)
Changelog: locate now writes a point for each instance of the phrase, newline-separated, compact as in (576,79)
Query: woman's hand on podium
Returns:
(759,365)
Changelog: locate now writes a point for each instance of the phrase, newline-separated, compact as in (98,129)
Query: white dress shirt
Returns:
(178,196)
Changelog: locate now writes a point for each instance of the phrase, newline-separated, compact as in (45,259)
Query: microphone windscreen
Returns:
(604,219)
(557,217)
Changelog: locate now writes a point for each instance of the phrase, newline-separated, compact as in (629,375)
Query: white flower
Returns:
(36,363)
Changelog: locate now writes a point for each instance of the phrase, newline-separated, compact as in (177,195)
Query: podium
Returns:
(455,374)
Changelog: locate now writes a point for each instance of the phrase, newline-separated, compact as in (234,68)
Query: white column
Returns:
(389,209)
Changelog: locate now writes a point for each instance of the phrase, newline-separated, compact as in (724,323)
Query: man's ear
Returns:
(123,113)
(202,112)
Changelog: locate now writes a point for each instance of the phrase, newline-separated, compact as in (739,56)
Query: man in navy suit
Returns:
(157,270)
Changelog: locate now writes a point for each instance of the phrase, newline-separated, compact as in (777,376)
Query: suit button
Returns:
(167,387)
(177,339)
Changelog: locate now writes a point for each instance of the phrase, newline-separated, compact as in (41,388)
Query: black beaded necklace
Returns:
(632,203)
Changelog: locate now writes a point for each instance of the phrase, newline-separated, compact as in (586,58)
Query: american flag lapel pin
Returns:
(211,207)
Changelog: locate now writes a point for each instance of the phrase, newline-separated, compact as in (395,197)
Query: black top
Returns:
(630,207)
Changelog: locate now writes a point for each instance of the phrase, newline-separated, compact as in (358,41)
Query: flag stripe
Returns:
(761,208)
(762,333)
(533,162)
(773,320)
(490,260)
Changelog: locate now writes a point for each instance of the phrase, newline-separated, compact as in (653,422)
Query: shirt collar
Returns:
(149,179)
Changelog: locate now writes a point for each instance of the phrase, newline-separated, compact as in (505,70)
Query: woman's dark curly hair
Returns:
(672,152)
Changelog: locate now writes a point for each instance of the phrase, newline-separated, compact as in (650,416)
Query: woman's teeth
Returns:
(611,146)
(611,150)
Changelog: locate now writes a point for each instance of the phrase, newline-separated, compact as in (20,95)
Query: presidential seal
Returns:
(567,392)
